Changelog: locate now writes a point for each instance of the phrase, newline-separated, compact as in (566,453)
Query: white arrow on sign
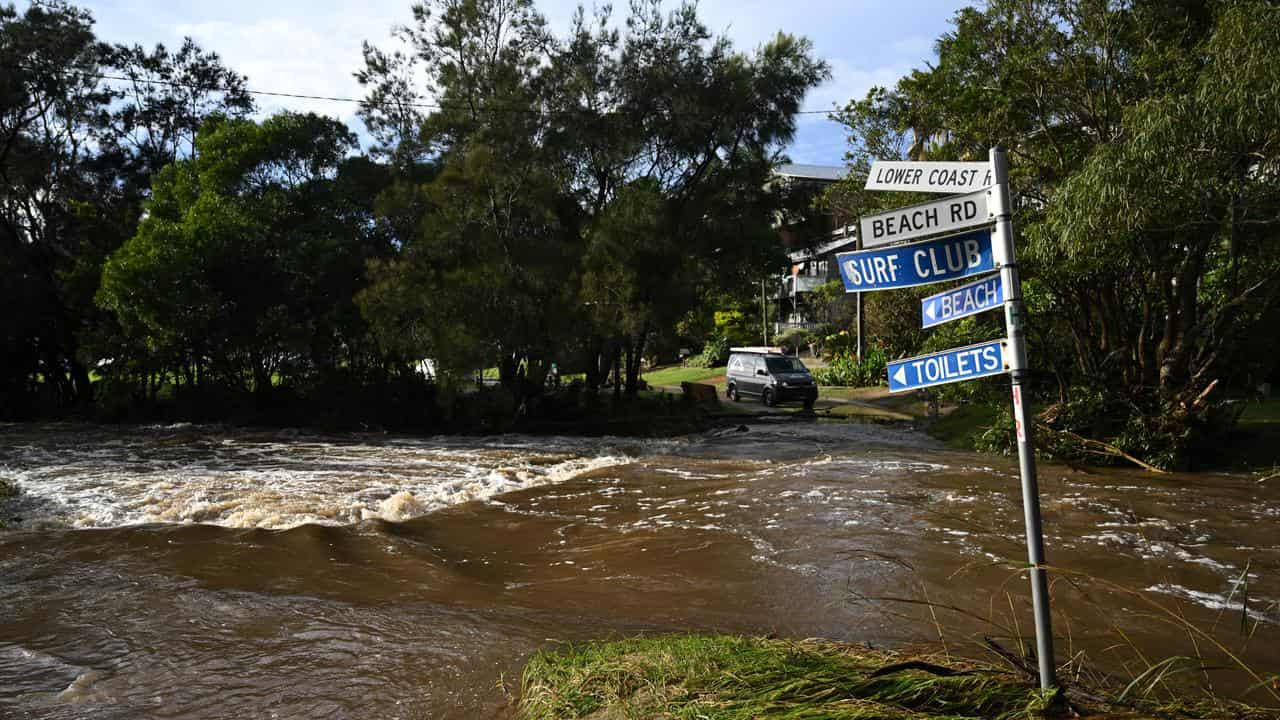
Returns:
(901,375)
(938,177)
(929,311)
(929,218)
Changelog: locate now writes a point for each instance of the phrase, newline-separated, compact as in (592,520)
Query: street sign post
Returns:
(931,218)
(946,258)
(966,300)
(948,366)
(936,177)
(1015,318)
(949,258)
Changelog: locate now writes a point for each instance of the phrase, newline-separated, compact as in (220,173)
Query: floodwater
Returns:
(189,571)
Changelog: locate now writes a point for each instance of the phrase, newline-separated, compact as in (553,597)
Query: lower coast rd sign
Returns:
(966,363)
(929,261)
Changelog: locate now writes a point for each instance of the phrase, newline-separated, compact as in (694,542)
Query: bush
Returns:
(714,354)
(846,370)
(792,339)
(839,344)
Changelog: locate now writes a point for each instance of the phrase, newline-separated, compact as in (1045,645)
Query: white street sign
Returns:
(913,221)
(937,177)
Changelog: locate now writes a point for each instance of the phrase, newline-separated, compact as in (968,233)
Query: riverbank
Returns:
(738,678)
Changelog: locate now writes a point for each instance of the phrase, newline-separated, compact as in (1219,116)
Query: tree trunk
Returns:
(80,381)
(617,378)
(635,353)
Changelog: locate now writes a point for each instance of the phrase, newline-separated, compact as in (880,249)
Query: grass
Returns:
(738,678)
(676,374)
(958,428)
(719,677)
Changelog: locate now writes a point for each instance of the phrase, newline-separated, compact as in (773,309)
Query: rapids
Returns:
(191,571)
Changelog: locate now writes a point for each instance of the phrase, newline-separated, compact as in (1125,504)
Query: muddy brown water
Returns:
(183,571)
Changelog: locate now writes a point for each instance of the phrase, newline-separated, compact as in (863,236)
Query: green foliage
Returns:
(839,344)
(793,339)
(847,371)
(246,264)
(1142,139)
(893,319)
(736,327)
(613,211)
(77,154)
(714,354)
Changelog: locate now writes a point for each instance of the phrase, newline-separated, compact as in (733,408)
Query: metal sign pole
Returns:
(861,308)
(1017,358)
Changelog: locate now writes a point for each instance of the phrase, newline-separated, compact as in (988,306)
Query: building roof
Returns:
(825,173)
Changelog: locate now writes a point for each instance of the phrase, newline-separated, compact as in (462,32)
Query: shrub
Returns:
(839,344)
(714,354)
(846,370)
(792,339)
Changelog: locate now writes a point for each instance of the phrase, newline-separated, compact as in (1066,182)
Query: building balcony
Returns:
(796,284)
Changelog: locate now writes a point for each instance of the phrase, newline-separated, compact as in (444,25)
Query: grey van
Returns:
(769,375)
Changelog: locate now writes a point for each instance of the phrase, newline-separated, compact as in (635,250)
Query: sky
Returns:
(313,47)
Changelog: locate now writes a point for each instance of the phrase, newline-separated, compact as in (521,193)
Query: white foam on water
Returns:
(276,481)
(1217,601)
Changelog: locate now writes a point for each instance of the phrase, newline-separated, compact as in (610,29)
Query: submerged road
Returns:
(185,571)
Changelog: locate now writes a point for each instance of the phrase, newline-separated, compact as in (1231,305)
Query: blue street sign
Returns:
(930,261)
(948,366)
(963,301)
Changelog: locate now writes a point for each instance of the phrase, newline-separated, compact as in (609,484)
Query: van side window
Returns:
(735,363)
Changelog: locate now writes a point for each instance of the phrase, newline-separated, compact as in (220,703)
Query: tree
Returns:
(245,267)
(49,115)
(631,178)
(76,156)
(1142,139)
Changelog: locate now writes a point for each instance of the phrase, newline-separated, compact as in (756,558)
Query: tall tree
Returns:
(77,151)
(634,165)
(50,112)
(1142,141)
(245,267)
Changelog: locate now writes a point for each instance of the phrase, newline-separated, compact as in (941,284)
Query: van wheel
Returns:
(768,398)
(733,393)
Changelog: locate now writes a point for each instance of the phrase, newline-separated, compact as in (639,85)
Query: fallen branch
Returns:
(1097,447)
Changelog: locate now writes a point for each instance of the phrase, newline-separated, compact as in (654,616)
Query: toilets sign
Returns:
(966,363)
(930,261)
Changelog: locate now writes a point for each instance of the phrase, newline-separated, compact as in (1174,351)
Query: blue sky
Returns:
(313,47)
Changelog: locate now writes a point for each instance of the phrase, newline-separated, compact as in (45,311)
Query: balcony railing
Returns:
(801,283)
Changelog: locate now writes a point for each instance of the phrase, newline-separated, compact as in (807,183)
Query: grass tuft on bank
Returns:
(736,678)
(717,677)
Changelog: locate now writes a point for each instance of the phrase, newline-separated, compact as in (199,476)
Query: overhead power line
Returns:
(331,98)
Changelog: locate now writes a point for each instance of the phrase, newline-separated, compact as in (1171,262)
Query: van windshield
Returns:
(785,365)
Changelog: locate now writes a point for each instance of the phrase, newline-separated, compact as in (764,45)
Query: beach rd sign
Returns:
(937,177)
(931,218)
(930,261)
(948,366)
(963,301)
